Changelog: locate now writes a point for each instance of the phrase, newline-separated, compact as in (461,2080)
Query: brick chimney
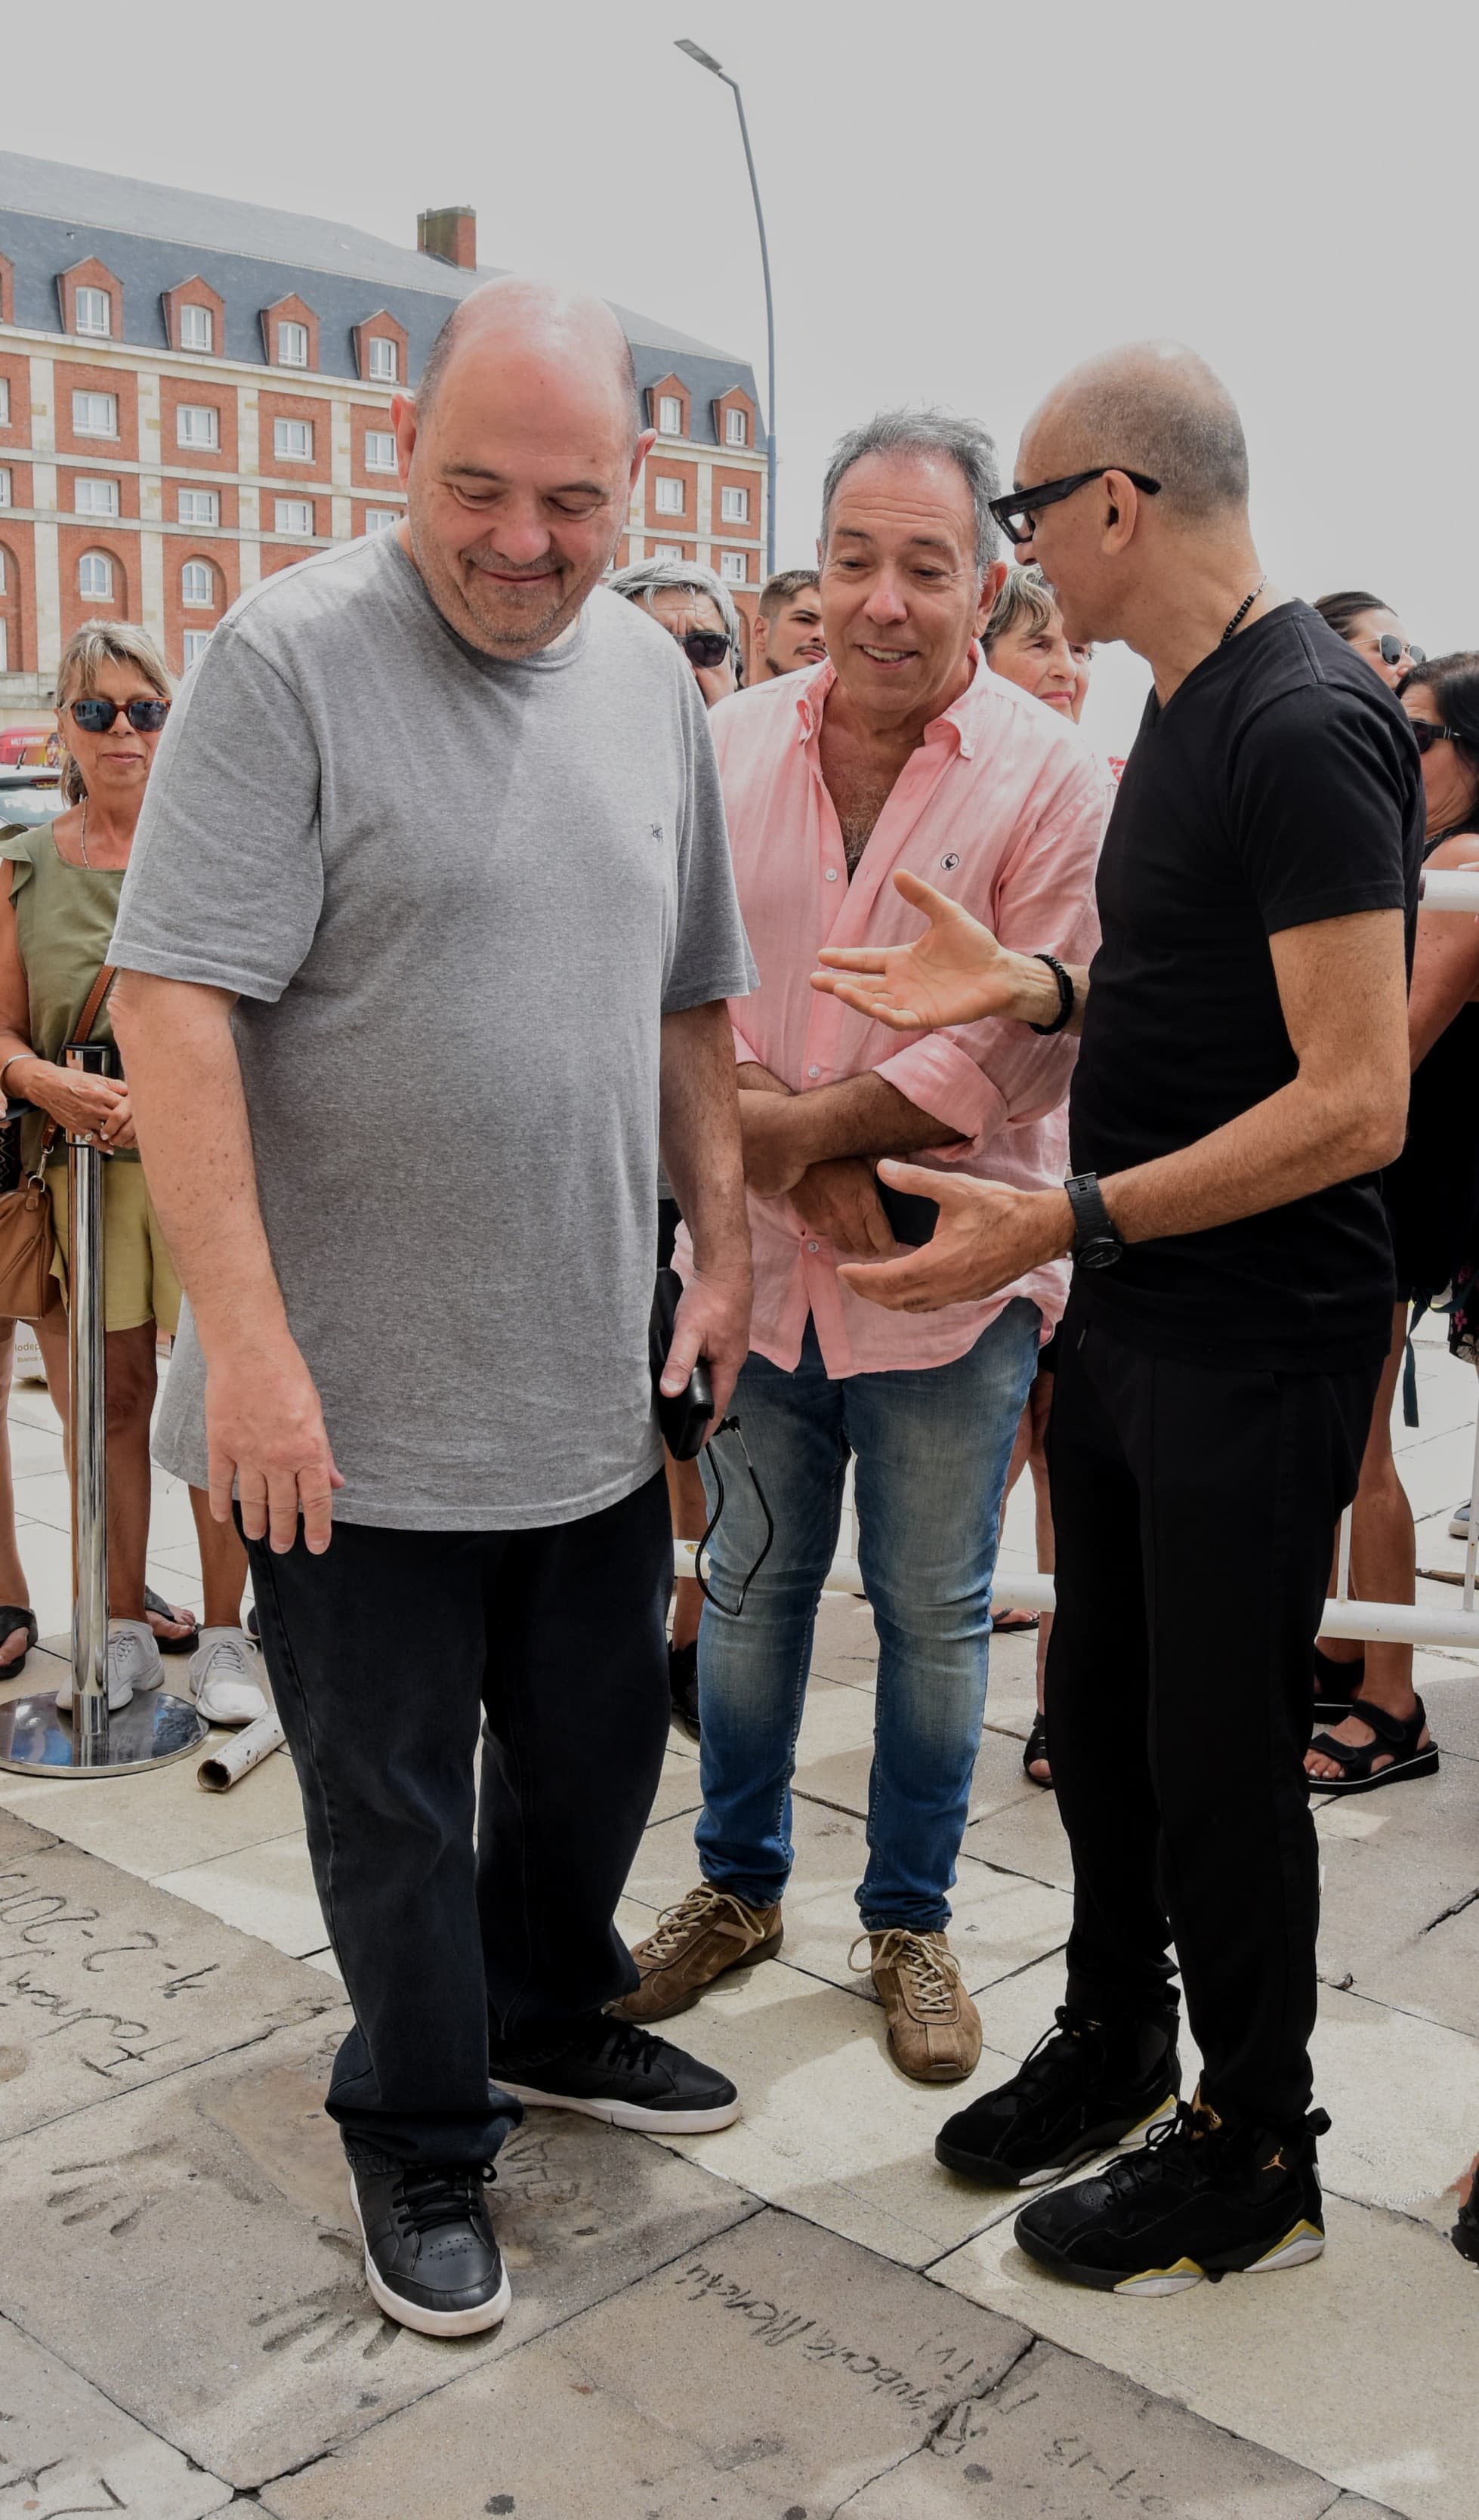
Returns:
(449,236)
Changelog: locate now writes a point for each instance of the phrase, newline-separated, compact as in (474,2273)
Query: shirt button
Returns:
(813,1071)
(811,1246)
(831,875)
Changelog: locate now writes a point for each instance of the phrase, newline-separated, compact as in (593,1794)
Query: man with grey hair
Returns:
(697,609)
(397,1048)
(899,758)
(1244,1077)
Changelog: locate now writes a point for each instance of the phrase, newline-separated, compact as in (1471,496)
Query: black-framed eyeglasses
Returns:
(1428,735)
(96,717)
(730,1426)
(706,647)
(1016,512)
(1391,650)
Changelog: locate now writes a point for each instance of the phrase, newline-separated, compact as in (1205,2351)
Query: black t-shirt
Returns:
(1278,785)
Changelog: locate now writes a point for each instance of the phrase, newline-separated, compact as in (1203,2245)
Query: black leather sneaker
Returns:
(1199,2199)
(615,2071)
(430,2257)
(1087,2085)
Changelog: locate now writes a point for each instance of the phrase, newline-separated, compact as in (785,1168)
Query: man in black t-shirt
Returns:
(1243,1074)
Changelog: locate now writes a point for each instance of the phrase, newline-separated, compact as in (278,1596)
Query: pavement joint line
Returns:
(233,2047)
(8,2318)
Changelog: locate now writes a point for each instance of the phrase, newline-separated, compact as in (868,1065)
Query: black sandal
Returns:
(1392,1735)
(163,1610)
(1015,1623)
(1035,1747)
(12,1618)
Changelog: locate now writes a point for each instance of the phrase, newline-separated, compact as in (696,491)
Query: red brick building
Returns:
(195,392)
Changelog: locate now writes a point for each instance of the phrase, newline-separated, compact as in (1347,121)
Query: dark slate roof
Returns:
(153,236)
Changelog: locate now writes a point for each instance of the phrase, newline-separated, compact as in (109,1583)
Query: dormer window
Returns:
(293,345)
(670,415)
(95,312)
(196,328)
(385,361)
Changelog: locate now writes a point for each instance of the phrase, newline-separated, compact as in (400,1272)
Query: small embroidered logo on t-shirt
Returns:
(657,830)
(949,865)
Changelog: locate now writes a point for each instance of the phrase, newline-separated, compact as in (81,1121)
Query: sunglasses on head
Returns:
(1428,735)
(1392,650)
(96,717)
(1016,512)
(706,647)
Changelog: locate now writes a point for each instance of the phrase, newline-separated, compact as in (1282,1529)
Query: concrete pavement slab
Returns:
(1360,2365)
(20,1837)
(770,2374)
(64,2449)
(157,1823)
(266,1889)
(1064,2440)
(195,2242)
(106,1984)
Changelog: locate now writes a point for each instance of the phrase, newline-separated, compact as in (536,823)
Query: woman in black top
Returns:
(1432,1197)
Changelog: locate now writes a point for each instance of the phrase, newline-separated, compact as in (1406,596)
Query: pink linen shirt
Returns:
(1003,807)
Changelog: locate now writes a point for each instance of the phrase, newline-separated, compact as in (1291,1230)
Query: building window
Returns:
(197,423)
(95,577)
(94,311)
(385,363)
(198,584)
(292,441)
(667,551)
(95,414)
(667,496)
(734,506)
(378,520)
(294,516)
(200,508)
(96,499)
(196,644)
(670,415)
(4,402)
(5,488)
(380,450)
(196,328)
(737,429)
(731,568)
(293,345)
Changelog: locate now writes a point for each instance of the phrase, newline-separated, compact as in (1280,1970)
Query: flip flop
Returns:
(1013,1623)
(163,1610)
(12,1618)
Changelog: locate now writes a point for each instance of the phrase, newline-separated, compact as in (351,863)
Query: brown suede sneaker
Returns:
(934,2030)
(708,1933)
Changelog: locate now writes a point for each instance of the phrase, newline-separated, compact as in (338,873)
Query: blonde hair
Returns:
(88,650)
(1025,597)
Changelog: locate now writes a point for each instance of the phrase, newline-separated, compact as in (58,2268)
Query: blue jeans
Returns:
(932,1450)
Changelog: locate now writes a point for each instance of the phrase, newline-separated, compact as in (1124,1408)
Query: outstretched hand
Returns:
(955,973)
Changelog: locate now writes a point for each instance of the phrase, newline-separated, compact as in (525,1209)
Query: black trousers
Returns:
(384,1653)
(1196,1509)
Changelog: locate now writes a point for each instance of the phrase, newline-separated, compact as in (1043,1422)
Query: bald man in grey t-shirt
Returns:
(430,925)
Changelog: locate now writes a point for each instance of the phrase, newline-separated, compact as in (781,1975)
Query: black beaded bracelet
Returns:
(1065,995)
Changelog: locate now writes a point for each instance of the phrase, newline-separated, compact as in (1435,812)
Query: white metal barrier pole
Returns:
(1449,888)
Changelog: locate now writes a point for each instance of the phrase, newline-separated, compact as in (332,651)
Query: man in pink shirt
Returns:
(904,751)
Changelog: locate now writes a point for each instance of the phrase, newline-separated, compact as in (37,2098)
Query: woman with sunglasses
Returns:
(1432,1197)
(694,607)
(1374,630)
(56,925)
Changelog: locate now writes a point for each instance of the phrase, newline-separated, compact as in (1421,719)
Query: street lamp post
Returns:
(706,62)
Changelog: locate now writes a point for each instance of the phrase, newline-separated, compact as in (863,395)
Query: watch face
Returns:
(1101,1255)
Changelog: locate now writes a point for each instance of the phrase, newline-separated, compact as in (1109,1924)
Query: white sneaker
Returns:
(222,1678)
(133,1662)
(1458,1525)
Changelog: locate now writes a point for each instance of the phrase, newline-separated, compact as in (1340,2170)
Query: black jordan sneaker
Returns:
(1199,2199)
(613,2070)
(1087,2085)
(430,2257)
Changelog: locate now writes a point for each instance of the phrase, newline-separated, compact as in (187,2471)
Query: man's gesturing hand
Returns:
(264,1429)
(986,1237)
(712,1321)
(955,973)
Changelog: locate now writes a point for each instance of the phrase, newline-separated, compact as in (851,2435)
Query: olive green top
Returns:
(64,923)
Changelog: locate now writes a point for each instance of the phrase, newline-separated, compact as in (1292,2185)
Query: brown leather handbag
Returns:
(28,1235)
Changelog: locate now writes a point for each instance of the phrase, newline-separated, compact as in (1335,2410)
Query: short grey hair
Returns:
(961,442)
(645,578)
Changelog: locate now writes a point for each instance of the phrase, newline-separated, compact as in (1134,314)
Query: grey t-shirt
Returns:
(455,898)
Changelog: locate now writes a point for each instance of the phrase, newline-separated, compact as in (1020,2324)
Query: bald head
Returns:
(566,329)
(1151,407)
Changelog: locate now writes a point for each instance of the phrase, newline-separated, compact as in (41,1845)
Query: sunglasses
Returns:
(1428,734)
(1392,650)
(95,717)
(1018,512)
(706,647)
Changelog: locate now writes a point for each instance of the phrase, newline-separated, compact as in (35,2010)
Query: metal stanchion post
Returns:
(37,1734)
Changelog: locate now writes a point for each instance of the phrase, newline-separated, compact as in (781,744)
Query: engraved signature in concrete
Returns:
(938,2376)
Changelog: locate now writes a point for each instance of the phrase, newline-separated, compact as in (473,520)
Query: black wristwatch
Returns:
(1096,1244)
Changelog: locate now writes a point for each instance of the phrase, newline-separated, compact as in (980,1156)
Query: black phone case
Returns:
(911,1219)
(684,1419)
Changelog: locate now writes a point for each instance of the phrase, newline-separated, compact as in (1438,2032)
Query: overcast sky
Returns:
(962,201)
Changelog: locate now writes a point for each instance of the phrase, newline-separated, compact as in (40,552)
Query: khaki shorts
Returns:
(139,1276)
